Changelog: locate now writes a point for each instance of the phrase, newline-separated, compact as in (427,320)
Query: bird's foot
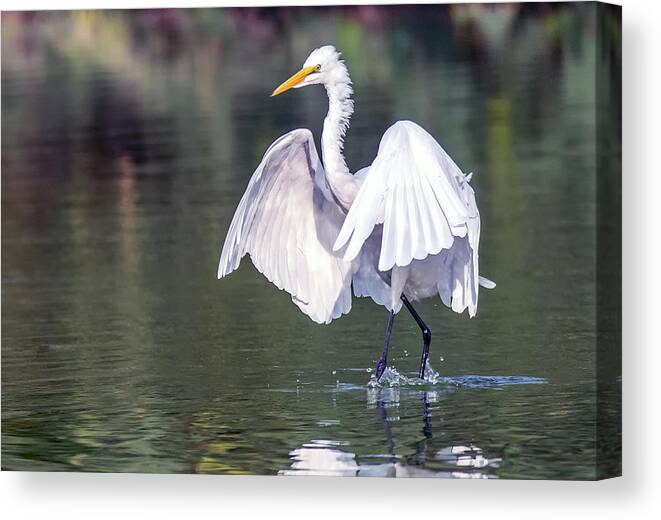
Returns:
(380,368)
(423,365)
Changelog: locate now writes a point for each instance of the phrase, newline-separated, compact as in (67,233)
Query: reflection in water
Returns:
(320,458)
(324,457)
(317,459)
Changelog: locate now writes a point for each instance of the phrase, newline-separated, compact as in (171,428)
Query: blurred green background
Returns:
(127,140)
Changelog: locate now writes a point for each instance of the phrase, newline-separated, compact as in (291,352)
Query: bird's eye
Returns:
(317,68)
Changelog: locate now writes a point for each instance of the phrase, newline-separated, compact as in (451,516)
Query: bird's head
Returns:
(323,66)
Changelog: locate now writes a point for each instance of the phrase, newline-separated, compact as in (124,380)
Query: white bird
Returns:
(400,230)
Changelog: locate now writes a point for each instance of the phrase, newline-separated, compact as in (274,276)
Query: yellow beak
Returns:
(296,79)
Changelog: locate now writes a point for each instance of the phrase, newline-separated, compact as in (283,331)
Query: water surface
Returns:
(127,141)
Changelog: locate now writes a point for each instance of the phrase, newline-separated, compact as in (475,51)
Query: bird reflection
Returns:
(327,458)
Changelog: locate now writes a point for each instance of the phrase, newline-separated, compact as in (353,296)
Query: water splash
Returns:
(430,375)
(392,378)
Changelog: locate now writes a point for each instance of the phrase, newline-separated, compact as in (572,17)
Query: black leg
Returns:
(426,336)
(382,363)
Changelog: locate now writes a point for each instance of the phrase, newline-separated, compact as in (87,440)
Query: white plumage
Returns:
(431,225)
(406,225)
(287,221)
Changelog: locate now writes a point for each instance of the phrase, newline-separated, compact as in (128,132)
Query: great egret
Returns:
(405,228)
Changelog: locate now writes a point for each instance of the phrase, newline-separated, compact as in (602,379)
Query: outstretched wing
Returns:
(287,221)
(426,206)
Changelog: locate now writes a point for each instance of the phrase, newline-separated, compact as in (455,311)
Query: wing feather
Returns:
(414,189)
(426,207)
(287,224)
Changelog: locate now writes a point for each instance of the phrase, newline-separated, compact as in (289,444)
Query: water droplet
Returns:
(334,372)
(368,370)
(441,359)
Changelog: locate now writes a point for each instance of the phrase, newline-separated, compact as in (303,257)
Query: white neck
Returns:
(340,108)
